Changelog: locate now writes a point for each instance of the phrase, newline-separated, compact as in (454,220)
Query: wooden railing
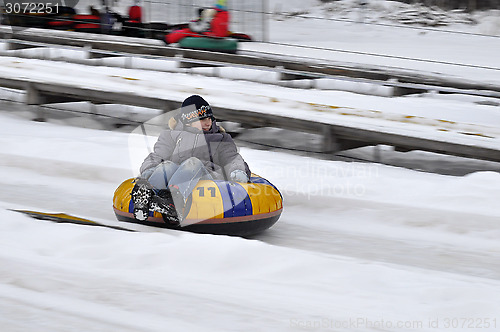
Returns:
(336,137)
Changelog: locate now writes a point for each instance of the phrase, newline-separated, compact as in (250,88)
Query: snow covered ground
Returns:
(359,247)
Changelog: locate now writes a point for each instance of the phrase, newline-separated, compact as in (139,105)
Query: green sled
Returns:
(226,45)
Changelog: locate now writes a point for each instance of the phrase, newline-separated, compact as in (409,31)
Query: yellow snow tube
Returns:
(215,207)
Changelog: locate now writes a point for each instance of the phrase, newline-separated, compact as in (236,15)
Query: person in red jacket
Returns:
(135,13)
(133,27)
(213,22)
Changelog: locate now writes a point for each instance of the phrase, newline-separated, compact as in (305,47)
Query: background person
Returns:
(213,22)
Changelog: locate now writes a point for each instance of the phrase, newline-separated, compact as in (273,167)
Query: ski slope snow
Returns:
(359,246)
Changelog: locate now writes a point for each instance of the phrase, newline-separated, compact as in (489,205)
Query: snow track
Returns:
(100,304)
(445,238)
(420,252)
(335,257)
(359,247)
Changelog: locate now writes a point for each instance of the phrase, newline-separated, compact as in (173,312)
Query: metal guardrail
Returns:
(403,80)
(335,137)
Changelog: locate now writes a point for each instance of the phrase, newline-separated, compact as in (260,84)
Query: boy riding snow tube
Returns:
(194,174)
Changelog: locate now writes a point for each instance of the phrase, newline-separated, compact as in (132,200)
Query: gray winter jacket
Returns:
(215,148)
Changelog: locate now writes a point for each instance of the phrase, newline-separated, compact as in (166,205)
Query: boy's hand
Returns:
(239,176)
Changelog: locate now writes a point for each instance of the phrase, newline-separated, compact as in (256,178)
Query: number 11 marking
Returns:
(201,191)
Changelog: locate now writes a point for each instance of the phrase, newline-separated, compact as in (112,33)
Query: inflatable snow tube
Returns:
(87,23)
(241,37)
(226,45)
(215,207)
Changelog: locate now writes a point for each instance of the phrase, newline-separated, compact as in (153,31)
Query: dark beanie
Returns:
(195,108)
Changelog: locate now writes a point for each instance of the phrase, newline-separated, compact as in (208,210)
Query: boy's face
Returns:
(204,124)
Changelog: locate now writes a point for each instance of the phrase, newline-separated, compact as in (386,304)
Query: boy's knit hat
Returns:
(195,108)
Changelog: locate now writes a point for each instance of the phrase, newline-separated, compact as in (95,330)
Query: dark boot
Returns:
(162,203)
(141,197)
(178,201)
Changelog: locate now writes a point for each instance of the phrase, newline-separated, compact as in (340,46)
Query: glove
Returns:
(147,173)
(239,176)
